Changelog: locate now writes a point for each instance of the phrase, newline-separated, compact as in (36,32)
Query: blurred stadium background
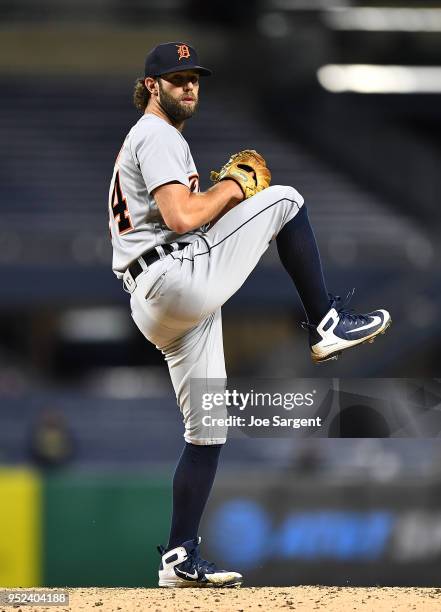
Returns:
(343,99)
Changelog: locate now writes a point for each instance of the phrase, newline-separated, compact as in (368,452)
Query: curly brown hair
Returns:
(141,95)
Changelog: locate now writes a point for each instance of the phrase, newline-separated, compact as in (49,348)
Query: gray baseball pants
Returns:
(176,303)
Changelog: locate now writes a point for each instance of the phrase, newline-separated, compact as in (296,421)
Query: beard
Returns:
(176,110)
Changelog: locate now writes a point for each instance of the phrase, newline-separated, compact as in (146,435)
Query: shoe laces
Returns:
(201,564)
(343,312)
(207,567)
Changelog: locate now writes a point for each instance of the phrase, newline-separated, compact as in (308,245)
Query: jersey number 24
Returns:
(119,207)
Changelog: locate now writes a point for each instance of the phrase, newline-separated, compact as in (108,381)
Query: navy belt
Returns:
(153,255)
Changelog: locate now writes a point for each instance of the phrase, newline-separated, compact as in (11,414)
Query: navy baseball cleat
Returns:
(183,567)
(341,329)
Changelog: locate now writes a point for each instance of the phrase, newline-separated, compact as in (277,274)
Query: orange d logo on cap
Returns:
(173,57)
(183,51)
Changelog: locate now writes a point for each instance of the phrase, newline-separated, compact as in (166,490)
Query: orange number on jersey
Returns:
(194,183)
(120,208)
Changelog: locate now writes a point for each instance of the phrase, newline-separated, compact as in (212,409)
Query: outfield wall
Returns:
(101,529)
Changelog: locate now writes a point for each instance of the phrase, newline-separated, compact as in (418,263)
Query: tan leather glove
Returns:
(248,169)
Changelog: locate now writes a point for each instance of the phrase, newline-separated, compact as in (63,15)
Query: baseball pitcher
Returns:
(182,253)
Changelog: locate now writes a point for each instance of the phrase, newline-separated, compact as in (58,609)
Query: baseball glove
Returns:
(248,169)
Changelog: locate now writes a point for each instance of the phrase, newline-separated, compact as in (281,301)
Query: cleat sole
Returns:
(198,585)
(330,357)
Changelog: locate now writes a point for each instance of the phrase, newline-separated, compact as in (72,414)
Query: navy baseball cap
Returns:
(173,57)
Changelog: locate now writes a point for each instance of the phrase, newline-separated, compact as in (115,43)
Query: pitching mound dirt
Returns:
(334,599)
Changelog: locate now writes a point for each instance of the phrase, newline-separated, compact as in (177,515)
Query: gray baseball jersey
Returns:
(153,153)
(176,301)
